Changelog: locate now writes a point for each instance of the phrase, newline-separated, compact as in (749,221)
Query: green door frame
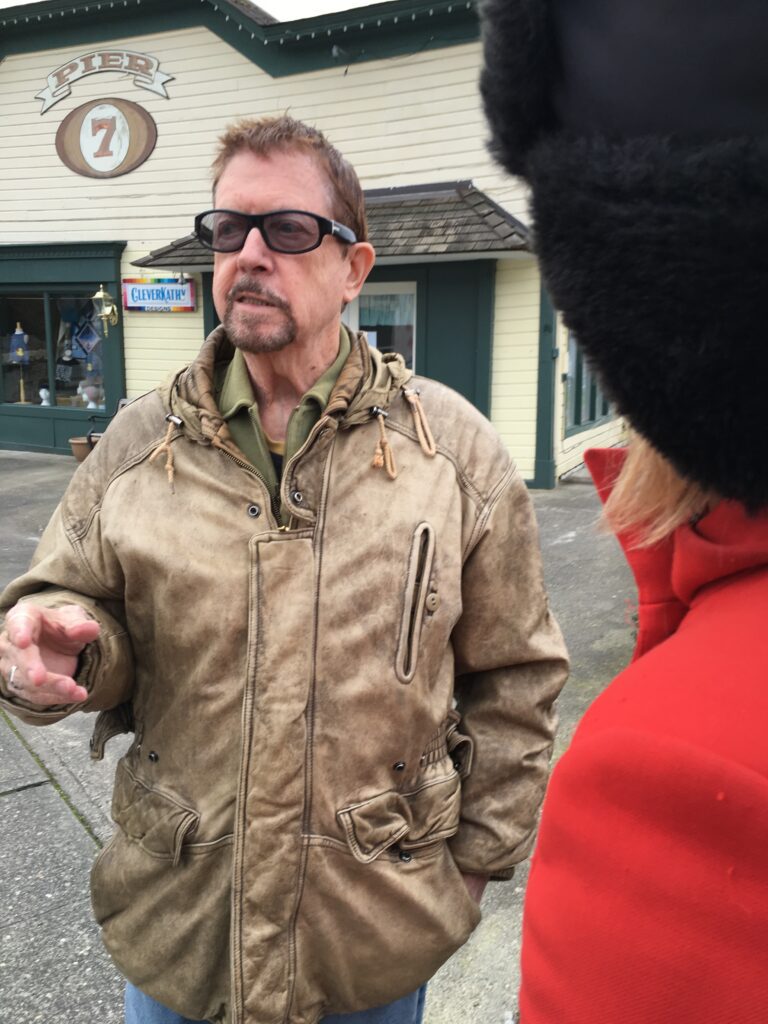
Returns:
(446,291)
(544,465)
(58,269)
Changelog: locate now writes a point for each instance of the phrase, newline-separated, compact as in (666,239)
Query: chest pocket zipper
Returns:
(417,588)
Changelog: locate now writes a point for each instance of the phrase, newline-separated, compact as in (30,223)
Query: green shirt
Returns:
(239,408)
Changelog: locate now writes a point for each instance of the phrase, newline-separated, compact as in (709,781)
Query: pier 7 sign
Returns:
(145,70)
(110,136)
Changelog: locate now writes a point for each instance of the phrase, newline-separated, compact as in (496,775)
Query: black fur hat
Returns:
(642,129)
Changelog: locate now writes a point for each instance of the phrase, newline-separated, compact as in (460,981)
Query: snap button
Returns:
(254,511)
(398,766)
(433,602)
(457,765)
(297,497)
(153,757)
(404,856)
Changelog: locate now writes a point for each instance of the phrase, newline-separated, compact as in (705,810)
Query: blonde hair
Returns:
(650,498)
(264,136)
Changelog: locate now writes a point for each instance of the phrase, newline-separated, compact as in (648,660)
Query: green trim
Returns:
(486,300)
(210,316)
(580,428)
(454,322)
(544,465)
(13,446)
(383,30)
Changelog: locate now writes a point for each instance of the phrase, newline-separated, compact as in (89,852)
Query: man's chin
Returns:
(254,338)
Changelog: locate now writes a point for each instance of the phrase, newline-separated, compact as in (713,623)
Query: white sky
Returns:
(285,10)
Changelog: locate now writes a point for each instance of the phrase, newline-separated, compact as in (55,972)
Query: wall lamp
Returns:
(105,308)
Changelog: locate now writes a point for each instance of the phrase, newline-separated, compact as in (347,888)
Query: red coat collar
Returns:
(671,574)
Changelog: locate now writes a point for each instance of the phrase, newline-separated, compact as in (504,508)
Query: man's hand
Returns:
(39,649)
(476,885)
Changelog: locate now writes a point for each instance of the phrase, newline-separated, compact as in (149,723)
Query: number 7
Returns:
(108,126)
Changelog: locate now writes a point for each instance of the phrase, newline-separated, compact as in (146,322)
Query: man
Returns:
(336,563)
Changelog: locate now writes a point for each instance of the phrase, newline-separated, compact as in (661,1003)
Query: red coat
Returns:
(648,895)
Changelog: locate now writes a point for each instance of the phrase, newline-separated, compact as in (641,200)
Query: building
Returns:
(110,111)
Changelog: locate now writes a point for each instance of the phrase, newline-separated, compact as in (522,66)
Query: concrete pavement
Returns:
(54,801)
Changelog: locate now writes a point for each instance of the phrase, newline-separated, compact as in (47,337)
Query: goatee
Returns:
(245,326)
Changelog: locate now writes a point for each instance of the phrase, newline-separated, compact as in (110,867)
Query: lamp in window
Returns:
(18,355)
(105,308)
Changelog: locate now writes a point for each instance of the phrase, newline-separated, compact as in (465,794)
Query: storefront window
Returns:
(51,351)
(24,351)
(78,379)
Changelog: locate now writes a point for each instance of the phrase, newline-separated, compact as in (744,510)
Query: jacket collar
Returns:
(673,575)
(367,380)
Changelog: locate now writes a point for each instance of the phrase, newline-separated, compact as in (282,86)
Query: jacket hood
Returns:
(368,379)
(640,127)
(672,575)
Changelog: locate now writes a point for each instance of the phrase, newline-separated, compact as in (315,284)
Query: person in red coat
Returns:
(642,130)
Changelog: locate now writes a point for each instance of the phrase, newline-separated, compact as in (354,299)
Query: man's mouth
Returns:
(253,300)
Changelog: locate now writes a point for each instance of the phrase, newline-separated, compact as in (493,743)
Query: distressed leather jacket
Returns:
(332,720)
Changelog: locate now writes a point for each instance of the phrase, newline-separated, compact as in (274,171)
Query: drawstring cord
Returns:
(423,432)
(165,446)
(383,457)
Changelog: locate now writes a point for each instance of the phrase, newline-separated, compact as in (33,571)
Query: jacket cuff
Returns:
(470,849)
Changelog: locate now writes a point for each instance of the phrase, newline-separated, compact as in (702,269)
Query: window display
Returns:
(60,362)
(24,353)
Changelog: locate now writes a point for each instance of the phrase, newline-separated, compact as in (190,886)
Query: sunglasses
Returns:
(287,231)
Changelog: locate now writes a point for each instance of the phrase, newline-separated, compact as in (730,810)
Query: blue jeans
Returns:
(141,1009)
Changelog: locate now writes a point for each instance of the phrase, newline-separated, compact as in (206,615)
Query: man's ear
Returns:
(360,259)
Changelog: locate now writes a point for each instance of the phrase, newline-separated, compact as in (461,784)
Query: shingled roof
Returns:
(446,220)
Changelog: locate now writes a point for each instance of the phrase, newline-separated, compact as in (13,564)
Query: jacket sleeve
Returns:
(511,664)
(73,565)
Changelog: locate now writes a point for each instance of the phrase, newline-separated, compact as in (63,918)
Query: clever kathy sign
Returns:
(158,295)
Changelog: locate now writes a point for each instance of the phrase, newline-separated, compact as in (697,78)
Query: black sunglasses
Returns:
(288,231)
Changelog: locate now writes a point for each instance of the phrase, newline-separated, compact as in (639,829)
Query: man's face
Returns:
(265,299)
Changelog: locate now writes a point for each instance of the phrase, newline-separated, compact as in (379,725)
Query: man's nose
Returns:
(255,252)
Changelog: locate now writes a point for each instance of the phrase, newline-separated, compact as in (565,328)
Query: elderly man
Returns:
(309,583)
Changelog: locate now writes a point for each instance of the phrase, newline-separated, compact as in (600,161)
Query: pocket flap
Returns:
(418,818)
(155,819)
(376,824)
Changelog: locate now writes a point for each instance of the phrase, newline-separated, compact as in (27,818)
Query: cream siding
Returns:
(515,366)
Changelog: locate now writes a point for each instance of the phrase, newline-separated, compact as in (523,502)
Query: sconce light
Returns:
(105,308)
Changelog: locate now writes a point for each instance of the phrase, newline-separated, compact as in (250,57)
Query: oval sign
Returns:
(106,138)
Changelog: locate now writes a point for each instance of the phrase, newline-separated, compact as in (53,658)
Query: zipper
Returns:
(310,715)
(246,727)
(419,569)
(246,732)
(274,498)
(314,433)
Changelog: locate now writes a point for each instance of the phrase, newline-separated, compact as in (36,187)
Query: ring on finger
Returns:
(12,683)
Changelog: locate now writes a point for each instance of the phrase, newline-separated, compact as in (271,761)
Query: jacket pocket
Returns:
(155,819)
(412,820)
(417,588)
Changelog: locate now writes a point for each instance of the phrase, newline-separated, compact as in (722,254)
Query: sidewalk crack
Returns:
(20,789)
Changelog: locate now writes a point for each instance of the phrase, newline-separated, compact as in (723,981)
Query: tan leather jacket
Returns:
(299,799)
